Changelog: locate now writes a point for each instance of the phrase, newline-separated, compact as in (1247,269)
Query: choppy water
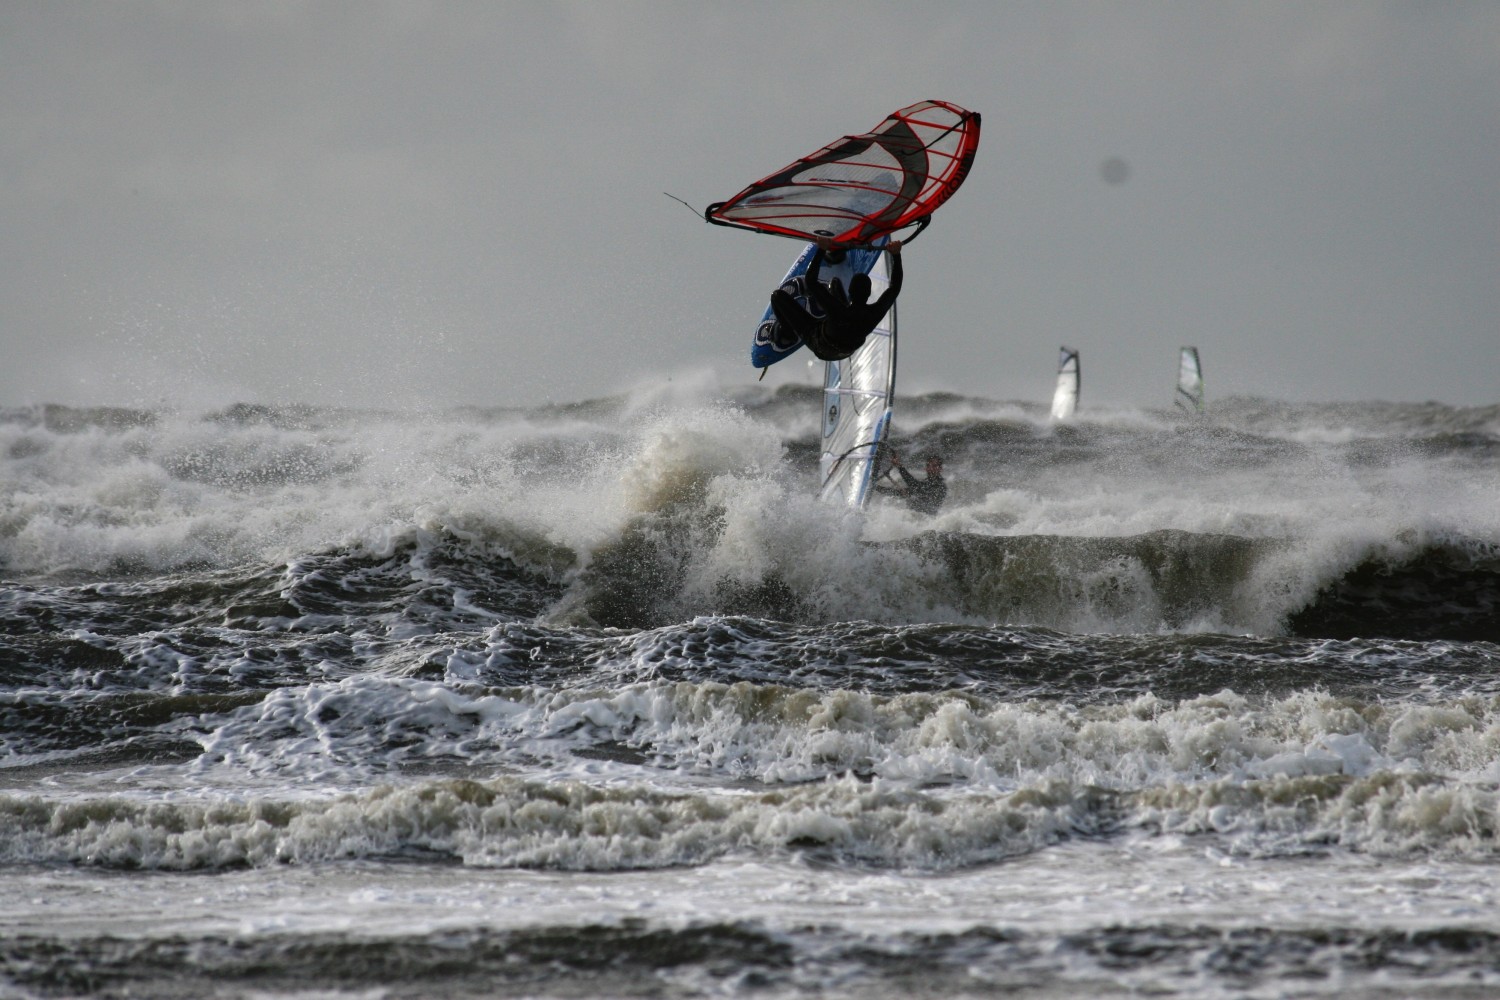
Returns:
(599,700)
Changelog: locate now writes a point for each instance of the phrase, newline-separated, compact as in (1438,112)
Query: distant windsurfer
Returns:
(924,496)
(846,319)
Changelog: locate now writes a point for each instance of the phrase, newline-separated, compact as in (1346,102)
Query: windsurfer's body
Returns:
(924,496)
(846,320)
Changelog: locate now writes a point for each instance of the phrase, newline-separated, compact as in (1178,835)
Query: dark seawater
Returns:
(599,700)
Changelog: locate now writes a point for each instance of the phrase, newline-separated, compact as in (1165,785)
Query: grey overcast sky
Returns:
(441,203)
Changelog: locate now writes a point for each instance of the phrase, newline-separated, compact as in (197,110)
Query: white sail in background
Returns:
(1190,381)
(857,396)
(1065,398)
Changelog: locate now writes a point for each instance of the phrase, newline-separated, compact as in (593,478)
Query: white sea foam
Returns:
(580,825)
(550,487)
(669,733)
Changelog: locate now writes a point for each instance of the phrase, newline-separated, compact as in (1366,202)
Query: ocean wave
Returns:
(581,826)
(443,711)
(1433,587)
(697,559)
(633,956)
(649,513)
(330,656)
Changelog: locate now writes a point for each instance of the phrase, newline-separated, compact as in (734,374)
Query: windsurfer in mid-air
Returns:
(846,319)
(924,496)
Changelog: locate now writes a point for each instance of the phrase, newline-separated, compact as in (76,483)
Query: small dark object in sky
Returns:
(1114,170)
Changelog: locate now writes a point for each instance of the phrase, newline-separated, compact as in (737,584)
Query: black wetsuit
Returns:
(844,325)
(924,496)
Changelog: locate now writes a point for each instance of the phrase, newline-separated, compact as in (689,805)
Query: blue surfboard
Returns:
(772,342)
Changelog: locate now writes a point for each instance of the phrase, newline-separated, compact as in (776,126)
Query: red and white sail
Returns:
(861,187)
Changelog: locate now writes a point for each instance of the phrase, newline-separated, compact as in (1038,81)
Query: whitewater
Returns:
(598,699)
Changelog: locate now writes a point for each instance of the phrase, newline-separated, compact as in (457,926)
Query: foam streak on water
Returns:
(599,700)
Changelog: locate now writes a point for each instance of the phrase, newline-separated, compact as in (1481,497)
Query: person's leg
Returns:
(792,317)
